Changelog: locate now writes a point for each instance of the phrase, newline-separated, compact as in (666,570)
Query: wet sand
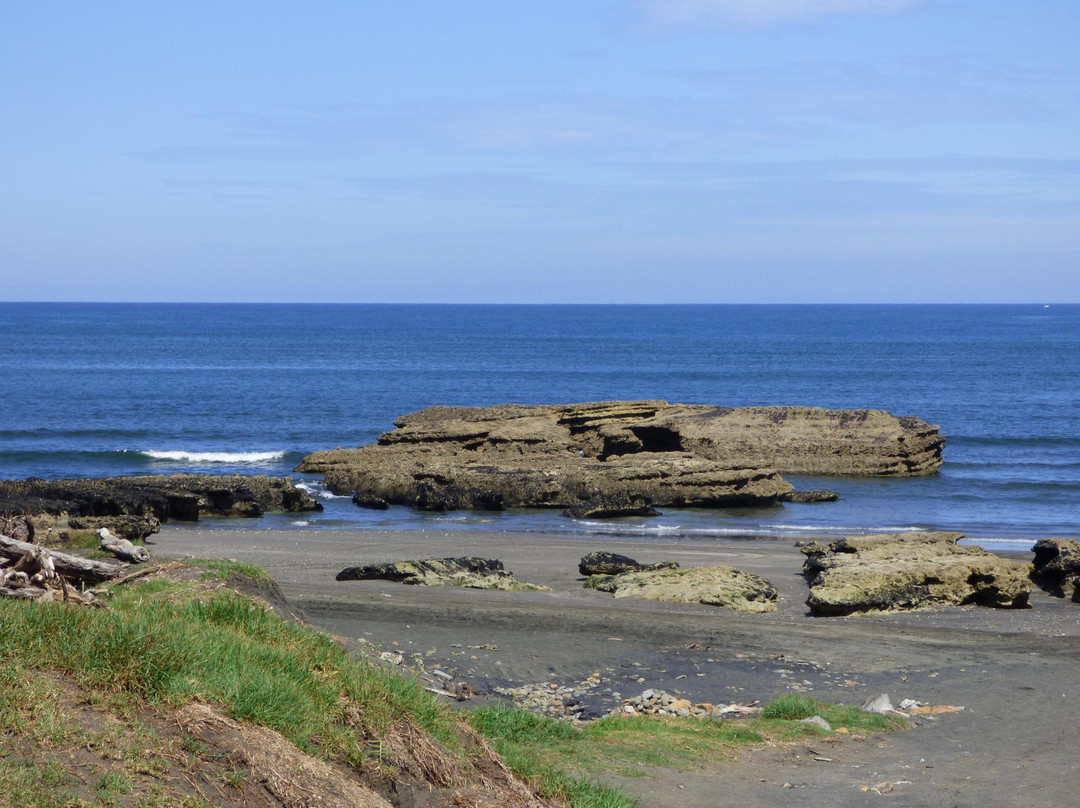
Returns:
(1016,672)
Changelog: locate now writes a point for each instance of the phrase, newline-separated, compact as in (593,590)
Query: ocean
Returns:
(112,389)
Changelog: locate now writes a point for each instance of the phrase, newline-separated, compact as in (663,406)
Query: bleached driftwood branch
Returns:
(122,548)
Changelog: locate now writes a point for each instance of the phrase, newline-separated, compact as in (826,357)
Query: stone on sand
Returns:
(726,587)
(892,572)
(467,571)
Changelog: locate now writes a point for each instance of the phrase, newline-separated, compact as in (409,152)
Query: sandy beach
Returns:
(1015,672)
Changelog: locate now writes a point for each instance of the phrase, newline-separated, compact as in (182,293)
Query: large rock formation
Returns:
(135,507)
(635,452)
(726,587)
(898,571)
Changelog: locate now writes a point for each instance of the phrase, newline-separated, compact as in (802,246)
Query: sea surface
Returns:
(111,389)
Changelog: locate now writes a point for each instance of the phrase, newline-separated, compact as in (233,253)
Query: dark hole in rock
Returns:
(658,438)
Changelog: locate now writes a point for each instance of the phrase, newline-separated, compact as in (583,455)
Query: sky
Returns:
(565,151)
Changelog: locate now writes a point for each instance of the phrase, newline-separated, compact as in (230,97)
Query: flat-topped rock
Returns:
(643,452)
(135,507)
(726,587)
(900,571)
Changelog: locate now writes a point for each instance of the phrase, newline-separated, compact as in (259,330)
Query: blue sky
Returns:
(612,151)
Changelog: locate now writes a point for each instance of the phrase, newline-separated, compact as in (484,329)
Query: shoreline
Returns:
(1014,671)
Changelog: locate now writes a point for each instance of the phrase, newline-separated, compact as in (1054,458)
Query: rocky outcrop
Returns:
(1056,567)
(893,572)
(468,571)
(726,587)
(134,507)
(638,452)
(601,563)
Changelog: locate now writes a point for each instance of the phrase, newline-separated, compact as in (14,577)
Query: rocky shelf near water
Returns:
(134,507)
(618,457)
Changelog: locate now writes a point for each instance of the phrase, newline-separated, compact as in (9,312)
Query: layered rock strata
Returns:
(135,507)
(630,453)
(726,587)
(894,572)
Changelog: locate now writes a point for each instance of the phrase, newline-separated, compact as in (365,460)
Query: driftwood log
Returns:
(43,575)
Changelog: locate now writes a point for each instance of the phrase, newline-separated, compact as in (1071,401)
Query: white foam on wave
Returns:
(319,490)
(182,456)
(760,529)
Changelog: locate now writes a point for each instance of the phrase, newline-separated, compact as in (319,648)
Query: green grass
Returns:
(563,759)
(795,707)
(161,643)
(221,570)
(168,643)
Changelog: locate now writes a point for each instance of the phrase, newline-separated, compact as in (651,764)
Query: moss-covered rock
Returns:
(726,587)
(894,572)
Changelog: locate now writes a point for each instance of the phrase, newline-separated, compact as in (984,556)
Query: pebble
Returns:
(550,698)
(660,702)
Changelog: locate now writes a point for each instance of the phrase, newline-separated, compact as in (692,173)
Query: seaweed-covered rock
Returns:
(135,507)
(815,495)
(601,563)
(1056,567)
(726,587)
(893,572)
(467,571)
(638,452)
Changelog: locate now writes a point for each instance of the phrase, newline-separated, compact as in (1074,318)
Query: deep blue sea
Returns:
(110,389)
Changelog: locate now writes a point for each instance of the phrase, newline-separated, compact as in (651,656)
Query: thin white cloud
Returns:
(763,12)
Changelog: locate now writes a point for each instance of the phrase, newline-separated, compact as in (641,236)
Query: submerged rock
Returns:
(1056,567)
(135,507)
(726,587)
(611,508)
(467,571)
(601,563)
(811,496)
(892,572)
(645,453)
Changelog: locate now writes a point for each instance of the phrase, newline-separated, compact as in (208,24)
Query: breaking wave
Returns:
(235,458)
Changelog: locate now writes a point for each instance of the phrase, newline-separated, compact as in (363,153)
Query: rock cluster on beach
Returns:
(617,457)
(1056,567)
(726,587)
(135,507)
(660,702)
(603,563)
(467,571)
(892,572)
